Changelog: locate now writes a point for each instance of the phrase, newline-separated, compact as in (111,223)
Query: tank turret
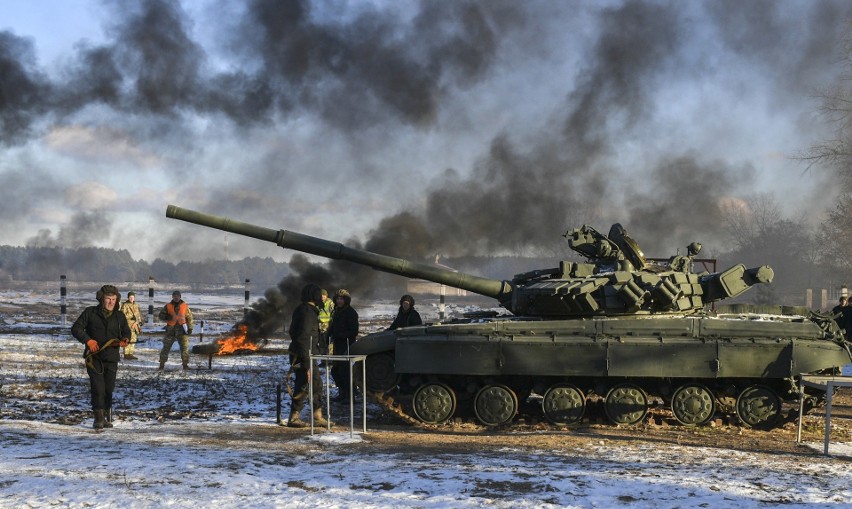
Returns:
(616,279)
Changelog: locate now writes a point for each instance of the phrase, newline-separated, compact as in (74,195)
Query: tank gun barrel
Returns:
(500,290)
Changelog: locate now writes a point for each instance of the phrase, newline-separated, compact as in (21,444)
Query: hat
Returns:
(342,293)
(325,292)
(311,293)
(107,290)
(131,294)
(176,292)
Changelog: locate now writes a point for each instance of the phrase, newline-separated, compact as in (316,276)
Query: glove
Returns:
(186,329)
(93,346)
(123,343)
(189,330)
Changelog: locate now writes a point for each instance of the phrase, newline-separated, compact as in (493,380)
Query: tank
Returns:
(617,331)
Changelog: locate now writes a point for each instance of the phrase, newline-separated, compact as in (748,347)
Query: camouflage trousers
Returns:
(131,346)
(175,333)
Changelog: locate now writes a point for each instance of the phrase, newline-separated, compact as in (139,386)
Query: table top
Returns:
(822,381)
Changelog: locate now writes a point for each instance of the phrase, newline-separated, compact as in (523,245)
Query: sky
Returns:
(410,128)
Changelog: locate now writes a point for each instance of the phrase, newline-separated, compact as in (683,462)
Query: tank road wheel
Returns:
(563,404)
(434,403)
(495,405)
(758,406)
(381,376)
(626,404)
(693,405)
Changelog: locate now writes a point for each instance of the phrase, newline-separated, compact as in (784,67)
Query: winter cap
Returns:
(131,294)
(311,293)
(107,290)
(176,293)
(342,293)
(325,292)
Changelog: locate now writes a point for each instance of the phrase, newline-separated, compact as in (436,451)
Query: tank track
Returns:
(389,404)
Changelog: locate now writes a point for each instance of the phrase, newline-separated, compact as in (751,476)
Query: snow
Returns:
(209,438)
(147,464)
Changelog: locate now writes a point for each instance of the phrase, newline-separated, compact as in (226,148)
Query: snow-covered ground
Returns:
(208,438)
(149,464)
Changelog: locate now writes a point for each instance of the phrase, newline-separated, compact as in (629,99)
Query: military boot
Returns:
(186,365)
(162,365)
(108,418)
(319,420)
(295,421)
(100,422)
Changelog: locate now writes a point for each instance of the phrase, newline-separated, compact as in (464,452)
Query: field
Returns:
(209,437)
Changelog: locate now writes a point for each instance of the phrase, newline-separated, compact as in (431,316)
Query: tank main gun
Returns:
(617,280)
(500,290)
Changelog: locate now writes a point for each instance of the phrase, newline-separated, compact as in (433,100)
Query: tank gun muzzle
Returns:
(734,281)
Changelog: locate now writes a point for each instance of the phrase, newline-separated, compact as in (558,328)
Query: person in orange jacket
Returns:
(178,318)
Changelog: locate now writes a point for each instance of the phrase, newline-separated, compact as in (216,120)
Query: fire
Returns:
(236,341)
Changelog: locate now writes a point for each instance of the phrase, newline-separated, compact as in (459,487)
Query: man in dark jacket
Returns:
(103,329)
(343,331)
(304,341)
(407,316)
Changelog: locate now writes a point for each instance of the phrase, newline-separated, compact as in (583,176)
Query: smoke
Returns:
(518,198)
(23,88)
(268,314)
(373,68)
(84,229)
(225,109)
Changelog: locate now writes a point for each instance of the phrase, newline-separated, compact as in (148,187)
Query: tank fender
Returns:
(384,341)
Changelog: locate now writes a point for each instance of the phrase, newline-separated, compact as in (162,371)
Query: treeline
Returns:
(105,264)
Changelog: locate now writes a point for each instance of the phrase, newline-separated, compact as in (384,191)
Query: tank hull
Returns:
(725,357)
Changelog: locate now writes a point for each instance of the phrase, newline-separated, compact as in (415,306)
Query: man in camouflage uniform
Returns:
(134,318)
(178,318)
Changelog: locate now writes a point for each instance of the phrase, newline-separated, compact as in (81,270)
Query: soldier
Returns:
(407,316)
(304,341)
(178,318)
(103,329)
(839,307)
(134,318)
(343,331)
(326,307)
(845,321)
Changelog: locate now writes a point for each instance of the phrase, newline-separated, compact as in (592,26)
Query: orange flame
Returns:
(237,341)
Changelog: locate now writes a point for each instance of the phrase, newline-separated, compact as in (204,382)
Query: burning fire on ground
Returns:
(238,341)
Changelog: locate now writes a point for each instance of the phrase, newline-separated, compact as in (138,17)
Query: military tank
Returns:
(619,328)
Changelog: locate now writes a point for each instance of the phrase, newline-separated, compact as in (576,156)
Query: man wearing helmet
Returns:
(102,329)
(407,316)
(343,331)
(305,340)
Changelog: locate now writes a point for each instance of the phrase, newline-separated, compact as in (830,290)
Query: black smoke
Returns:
(370,73)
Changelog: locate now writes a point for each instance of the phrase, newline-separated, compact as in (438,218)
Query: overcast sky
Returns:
(415,128)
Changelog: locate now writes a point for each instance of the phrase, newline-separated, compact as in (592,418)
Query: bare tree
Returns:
(836,108)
